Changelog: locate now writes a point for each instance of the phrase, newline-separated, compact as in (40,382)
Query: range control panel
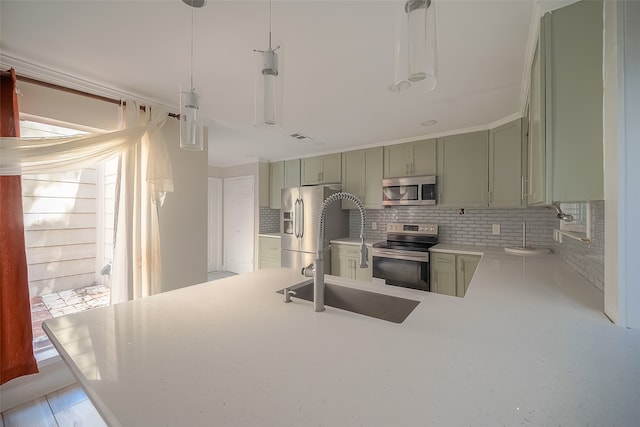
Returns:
(425,229)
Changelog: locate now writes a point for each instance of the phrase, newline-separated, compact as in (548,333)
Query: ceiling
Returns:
(338,63)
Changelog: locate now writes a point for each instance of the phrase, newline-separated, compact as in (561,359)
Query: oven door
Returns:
(408,269)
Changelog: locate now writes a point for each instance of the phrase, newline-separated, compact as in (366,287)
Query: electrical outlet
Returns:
(374,225)
(496,229)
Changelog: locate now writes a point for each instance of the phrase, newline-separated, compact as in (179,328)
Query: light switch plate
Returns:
(374,225)
(496,229)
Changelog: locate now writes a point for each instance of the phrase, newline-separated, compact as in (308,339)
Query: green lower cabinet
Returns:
(443,273)
(465,267)
(451,273)
(345,262)
(268,252)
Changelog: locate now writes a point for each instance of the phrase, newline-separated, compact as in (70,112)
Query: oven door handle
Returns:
(408,256)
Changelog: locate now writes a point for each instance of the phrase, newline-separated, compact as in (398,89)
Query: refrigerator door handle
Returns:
(296,211)
(301,217)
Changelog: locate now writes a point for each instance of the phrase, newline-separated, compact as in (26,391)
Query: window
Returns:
(580,227)
(68,219)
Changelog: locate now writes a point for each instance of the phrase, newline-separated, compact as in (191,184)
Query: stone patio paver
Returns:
(58,304)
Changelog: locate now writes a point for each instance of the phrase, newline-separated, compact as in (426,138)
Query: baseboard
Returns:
(54,375)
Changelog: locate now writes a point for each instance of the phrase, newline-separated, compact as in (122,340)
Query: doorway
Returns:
(239,223)
(214,225)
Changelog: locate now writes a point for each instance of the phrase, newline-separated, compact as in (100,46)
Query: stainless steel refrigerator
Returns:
(299,221)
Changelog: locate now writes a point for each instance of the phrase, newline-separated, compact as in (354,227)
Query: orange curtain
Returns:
(16,335)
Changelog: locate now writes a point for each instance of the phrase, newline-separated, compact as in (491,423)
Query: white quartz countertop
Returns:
(274,235)
(354,241)
(527,345)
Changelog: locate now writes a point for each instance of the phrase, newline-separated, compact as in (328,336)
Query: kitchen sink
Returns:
(385,307)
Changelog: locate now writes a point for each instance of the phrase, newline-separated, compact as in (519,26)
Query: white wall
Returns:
(622,156)
(183,218)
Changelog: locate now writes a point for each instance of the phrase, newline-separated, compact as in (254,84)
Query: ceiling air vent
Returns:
(300,137)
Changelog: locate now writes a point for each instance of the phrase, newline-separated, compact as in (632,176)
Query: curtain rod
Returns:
(80,92)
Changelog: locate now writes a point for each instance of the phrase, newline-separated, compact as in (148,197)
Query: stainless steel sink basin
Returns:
(372,304)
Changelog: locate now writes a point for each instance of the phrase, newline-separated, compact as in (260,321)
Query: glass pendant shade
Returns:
(267,103)
(416,47)
(190,134)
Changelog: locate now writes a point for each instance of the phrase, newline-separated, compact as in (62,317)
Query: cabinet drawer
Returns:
(346,250)
(269,247)
(444,262)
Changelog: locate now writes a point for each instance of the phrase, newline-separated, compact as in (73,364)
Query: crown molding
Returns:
(39,72)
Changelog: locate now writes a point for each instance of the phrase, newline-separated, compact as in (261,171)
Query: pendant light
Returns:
(190,129)
(268,86)
(416,47)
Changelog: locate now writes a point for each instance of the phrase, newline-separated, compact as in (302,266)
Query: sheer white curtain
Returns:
(143,181)
(144,178)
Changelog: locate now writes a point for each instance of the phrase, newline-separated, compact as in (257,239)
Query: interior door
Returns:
(239,215)
(214,225)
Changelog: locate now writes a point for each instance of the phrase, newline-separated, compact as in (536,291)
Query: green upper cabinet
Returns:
(574,112)
(410,159)
(362,176)
(276,182)
(292,173)
(282,174)
(506,178)
(565,154)
(536,191)
(463,170)
(322,169)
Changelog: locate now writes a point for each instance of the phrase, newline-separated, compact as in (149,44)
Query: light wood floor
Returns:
(67,407)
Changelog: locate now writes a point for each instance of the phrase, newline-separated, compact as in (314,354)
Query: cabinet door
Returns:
(373,178)
(292,173)
(276,182)
(331,169)
(443,273)
(342,264)
(536,150)
(463,170)
(506,182)
(575,108)
(424,158)
(397,159)
(365,274)
(353,176)
(362,176)
(311,171)
(269,254)
(466,266)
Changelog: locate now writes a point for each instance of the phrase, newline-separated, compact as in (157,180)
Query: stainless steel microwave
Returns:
(416,190)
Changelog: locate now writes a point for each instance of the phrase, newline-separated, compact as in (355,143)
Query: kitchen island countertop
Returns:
(528,344)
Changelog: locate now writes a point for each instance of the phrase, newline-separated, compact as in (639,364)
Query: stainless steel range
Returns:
(403,260)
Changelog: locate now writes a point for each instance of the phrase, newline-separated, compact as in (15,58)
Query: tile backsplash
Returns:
(474,227)
(269,220)
(586,258)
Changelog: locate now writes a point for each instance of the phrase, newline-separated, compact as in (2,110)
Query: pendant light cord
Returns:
(269,24)
(192,13)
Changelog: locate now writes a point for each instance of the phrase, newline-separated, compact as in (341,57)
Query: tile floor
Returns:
(68,407)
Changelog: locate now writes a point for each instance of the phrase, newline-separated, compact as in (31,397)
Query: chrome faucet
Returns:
(317,270)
